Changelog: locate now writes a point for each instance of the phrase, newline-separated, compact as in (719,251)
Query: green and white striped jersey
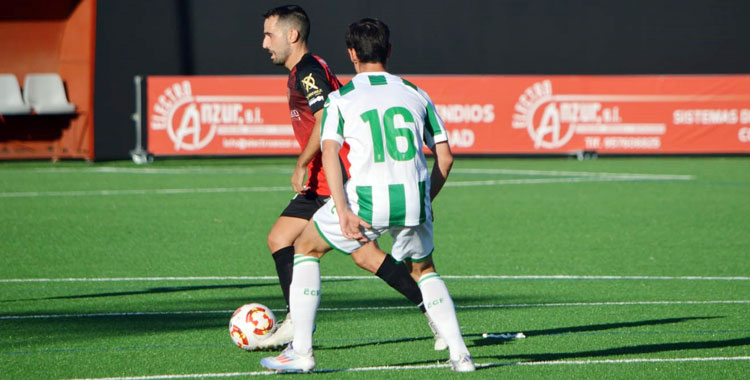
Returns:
(386,121)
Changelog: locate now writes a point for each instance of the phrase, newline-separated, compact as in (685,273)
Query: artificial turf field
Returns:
(612,268)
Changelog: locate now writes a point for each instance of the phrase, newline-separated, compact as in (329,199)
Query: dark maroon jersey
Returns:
(309,84)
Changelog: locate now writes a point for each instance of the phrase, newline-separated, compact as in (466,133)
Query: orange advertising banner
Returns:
(219,115)
(677,114)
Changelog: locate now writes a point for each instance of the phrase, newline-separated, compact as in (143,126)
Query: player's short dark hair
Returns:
(295,16)
(370,38)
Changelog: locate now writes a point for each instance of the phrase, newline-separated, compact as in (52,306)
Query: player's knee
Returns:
(276,242)
(304,246)
(368,259)
(362,261)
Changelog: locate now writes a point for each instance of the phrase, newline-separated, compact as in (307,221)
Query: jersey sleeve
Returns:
(332,123)
(434,128)
(312,82)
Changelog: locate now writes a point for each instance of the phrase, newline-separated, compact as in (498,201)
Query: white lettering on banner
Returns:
(744,134)
(229,113)
(745,116)
(253,116)
(243,144)
(552,120)
(218,113)
(192,121)
(188,135)
(255,130)
(166,101)
(592,142)
(550,126)
(461,138)
(579,112)
(466,113)
(706,117)
(539,90)
(561,120)
(632,142)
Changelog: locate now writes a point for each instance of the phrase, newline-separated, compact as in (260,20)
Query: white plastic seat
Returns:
(11,102)
(45,93)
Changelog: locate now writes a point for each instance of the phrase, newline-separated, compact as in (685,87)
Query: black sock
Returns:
(397,276)
(284,259)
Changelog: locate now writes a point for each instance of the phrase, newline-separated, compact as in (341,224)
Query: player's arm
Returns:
(308,153)
(349,221)
(436,137)
(332,138)
(332,169)
(441,168)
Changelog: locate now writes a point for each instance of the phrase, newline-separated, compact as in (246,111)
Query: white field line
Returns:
(559,180)
(285,169)
(333,278)
(382,308)
(557,173)
(82,193)
(434,366)
(564,177)
(182,170)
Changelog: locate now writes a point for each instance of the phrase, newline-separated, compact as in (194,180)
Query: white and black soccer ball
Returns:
(251,324)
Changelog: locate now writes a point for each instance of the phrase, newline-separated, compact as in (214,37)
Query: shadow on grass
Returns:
(157,290)
(627,350)
(618,351)
(479,341)
(34,334)
(373,342)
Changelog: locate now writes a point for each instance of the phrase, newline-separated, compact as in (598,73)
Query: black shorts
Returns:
(304,205)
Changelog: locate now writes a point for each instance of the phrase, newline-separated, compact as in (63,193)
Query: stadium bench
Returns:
(11,102)
(45,93)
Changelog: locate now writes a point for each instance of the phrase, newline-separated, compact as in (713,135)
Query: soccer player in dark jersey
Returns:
(286,30)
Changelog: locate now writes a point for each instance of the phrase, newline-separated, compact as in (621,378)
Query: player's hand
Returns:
(352,226)
(298,180)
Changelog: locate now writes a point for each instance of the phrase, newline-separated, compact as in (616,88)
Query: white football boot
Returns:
(281,337)
(440,343)
(463,364)
(290,361)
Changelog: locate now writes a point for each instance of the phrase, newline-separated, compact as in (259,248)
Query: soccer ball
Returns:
(251,324)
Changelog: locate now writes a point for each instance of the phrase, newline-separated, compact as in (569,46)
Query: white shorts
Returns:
(413,243)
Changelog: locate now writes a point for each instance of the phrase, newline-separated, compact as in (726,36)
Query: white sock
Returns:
(304,298)
(440,308)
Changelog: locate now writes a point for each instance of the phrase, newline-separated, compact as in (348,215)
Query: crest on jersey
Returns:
(309,83)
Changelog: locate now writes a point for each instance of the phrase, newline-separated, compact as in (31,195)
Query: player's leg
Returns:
(281,239)
(304,293)
(442,311)
(304,297)
(371,258)
(416,244)
(396,274)
(320,235)
(281,244)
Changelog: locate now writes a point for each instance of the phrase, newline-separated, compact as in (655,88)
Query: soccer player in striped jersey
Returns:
(286,29)
(386,121)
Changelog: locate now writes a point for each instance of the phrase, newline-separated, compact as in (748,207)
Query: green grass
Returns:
(515,222)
